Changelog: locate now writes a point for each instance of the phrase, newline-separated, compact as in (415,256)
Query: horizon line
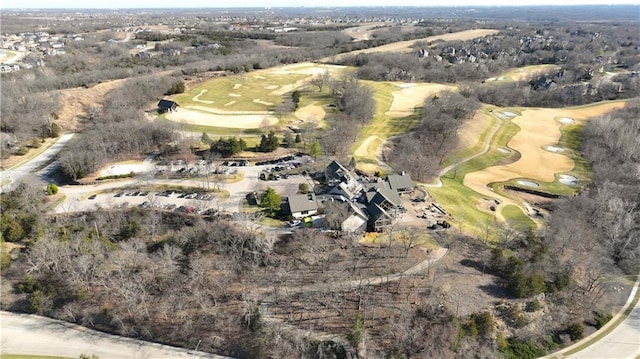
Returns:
(317,7)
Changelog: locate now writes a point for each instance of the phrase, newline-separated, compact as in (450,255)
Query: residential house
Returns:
(167,106)
(302,205)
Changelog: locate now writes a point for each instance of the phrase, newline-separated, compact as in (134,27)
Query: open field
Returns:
(406,46)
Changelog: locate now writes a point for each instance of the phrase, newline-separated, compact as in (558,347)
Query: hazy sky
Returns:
(280,3)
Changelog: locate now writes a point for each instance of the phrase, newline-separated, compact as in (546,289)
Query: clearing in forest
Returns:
(529,148)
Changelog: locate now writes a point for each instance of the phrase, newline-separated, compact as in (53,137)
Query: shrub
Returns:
(517,349)
(303,188)
(602,319)
(176,88)
(52,189)
(575,330)
(533,306)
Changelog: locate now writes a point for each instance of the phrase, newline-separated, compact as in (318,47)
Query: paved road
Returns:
(621,343)
(13,176)
(36,335)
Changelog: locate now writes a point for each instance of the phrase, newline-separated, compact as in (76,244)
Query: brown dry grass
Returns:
(75,102)
(539,128)
(311,113)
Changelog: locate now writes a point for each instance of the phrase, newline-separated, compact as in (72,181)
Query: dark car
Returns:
(93,196)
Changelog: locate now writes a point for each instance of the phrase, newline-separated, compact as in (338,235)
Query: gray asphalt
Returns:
(35,335)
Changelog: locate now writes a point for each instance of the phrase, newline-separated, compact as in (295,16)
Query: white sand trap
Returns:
(504,150)
(196,98)
(237,86)
(566,120)
(271,87)
(259,77)
(229,103)
(257,100)
(404,86)
(221,120)
(505,115)
(363,149)
(528,183)
(235,95)
(568,180)
(553,149)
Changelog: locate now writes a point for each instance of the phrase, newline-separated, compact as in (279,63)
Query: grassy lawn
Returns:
(237,93)
(461,202)
(517,219)
(383,126)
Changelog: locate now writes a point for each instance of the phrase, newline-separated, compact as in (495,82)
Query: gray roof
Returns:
(302,202)
(375,212)
(382,194)
(400,182)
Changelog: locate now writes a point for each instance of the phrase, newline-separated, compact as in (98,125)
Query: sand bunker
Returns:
(234,95)
(412,95)
(271,87)
(259,77)
(229,103)
(257,100)
(528,183)
(221,120)
(196,98)
(506,115)
(237,86)
(538,130)
(504,150)
(568,180)
(566,120)
(553,149)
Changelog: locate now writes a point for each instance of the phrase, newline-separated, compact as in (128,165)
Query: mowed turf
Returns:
(396,114)
(527,133)
(249,101)
(250,92)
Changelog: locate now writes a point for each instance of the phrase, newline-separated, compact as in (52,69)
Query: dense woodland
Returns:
(181,279)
